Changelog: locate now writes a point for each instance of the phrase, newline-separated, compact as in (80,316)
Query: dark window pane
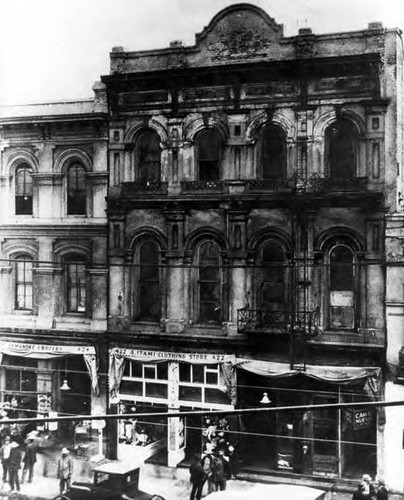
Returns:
(137,367)
(272,287)
(341,268)
(76,190)
(212,378)
(197,373)
(185,372)
(149,372)
(28,381)
(187,393)
(13,380)
(149,285)
(131,387)
(273,153)
(162,371)
(209,146)
(216,396)
(148,157)
(341,145)
(156,390)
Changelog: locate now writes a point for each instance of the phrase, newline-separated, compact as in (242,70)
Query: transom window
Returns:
(148,157)
(209,153)
(202,384)
(23,282)
(147,380)
(75,269)
(76,190)
(23,190)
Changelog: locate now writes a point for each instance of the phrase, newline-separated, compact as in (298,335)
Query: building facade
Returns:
(219,228)
(53,233)
(250,177)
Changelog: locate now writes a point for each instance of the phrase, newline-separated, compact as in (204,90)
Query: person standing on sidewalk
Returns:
(29,460)
(5,455)
(198,478)
(220,470)
(382,492)
(14,466)
(65,471)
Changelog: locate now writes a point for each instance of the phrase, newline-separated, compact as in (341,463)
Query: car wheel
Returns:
(156,497)
(62,497)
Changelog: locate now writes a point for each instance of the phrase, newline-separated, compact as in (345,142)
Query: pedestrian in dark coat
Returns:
(382,492)
(14,466)
(220,471)
(5,456)
(29,461)
(198,478)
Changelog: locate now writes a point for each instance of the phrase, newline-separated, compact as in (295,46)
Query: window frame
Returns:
(144,174)
(351,133)
(75,260)
(274,131)
(217,174)
(24,202)
(76,198)
(19,259)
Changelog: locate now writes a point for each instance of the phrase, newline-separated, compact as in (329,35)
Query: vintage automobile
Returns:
(266,491)
(114,480)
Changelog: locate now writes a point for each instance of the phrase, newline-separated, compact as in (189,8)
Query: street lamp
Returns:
(265,399)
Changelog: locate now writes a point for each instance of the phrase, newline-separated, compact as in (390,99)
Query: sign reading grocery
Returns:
(27,349)
(187,357)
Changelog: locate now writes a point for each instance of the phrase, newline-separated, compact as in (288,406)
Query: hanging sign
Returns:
(44,403)
(362,418)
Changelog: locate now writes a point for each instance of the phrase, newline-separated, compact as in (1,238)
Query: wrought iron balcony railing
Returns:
(276,322)
(130,188)
(202,186)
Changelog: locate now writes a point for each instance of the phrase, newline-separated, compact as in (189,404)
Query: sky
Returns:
(56,49)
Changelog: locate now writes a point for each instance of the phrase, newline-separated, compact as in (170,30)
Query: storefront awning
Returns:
(50,351)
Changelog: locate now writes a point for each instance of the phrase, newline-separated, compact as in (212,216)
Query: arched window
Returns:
(76,189)
(272,280)
(209,152)
(23,296)
(148,156)
(342,287)
(341,149)
(149,298)
(75,272)
(23,190)
(272,153)
(209,284)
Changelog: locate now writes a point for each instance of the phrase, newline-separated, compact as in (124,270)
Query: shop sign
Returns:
(362,418)
(23,349)
(187,357)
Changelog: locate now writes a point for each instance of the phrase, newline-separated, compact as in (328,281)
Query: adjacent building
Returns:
(219,228)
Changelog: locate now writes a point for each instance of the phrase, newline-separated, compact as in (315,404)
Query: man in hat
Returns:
(65,471)
(14,465)
(382,493)
(29,459)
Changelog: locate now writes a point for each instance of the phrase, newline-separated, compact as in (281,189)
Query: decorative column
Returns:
(44,284)
(175,425)
(176,313)
(117,290)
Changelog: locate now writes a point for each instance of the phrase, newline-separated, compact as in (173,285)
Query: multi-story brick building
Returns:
(250,177)
(253,243)
(53,234)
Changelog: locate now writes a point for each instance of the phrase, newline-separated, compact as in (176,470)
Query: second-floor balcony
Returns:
(315,183)
(266,321)
(145,187)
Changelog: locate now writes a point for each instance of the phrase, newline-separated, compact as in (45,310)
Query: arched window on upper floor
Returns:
(272,153)
(76,189)
(147,289)
(23,282)
(148,157)
(208,148)
(341,142)
(209,284)
(342,287)
(272,282)
(75,283)
(23,190)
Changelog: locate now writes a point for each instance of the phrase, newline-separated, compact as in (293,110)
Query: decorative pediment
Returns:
(239,31)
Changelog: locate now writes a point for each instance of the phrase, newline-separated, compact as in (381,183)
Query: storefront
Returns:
(41,380)
(147,380)
(323,442)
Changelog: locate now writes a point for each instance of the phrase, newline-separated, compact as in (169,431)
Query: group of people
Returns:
(366,490)
(15,456)
(218,461)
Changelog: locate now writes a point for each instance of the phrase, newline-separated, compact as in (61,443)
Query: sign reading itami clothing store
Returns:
(187,357)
